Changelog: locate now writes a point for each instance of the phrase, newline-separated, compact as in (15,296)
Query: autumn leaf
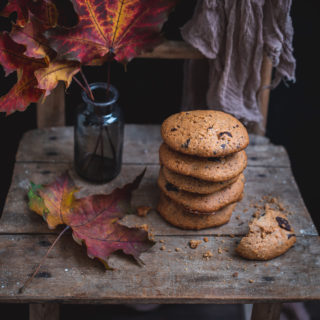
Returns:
(44,10)
(22,93)
(11,54)
(49,77)
(32,37)
(117,28)
(94,220)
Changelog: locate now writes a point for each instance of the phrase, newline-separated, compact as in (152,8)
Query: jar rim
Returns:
(101,85)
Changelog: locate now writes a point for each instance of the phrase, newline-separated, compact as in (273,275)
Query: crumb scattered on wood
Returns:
(194,243)
(142,211)
(205,239)
(238,217)
(144,227)
(207,255)
(251,281)
(178,249)
(219,250)
(232,235)
(162,248)
(235,275)
(161,241)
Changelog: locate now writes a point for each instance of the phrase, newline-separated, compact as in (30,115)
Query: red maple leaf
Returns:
(44,10)
(118,28)
(94,220)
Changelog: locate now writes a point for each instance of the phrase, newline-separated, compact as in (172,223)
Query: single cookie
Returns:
(204,133)
(270,235)
(176,215)
(190,184)
(199,202)
(208,169)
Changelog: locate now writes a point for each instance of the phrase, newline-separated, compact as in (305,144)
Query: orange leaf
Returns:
(49,77)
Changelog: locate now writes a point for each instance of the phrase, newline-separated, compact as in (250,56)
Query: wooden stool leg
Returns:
(44,311)
(266,311)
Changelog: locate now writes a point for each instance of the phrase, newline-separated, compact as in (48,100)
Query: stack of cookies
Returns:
(202,160)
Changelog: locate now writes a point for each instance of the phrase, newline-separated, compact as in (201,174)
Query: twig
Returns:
(42,260)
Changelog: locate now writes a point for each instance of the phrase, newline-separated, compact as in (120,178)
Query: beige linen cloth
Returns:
(234,35)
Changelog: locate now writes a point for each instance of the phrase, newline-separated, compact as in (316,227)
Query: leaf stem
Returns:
(42,260)
(87,84)
(108,77)
(81,85)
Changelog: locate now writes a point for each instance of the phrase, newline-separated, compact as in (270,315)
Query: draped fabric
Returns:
(234,35)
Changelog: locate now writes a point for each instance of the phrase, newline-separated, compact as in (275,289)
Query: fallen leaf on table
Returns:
(94,220)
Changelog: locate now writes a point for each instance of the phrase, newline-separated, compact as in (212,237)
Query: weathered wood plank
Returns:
(173,50)
(44,311)
(141,146)
(266,311)
(68,275)
(260,181)
(52,111)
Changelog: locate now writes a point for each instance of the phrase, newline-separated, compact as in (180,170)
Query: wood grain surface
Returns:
(68,275)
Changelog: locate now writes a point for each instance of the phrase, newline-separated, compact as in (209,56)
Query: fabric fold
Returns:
(234,35)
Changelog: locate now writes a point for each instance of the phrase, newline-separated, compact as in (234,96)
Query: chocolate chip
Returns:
(214,159)
(291,235)
(171,187)
(223,146)
(186,144)
(220,134)
(214,152)
(283,223)
(173,129)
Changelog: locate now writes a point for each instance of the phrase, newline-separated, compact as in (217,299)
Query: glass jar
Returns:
(98,134)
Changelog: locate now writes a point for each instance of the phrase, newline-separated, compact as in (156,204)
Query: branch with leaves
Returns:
(43,50)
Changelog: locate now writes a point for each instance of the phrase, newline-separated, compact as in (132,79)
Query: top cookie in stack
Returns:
(202,161)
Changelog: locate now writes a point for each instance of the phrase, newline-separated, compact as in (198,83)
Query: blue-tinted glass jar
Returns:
(98,135)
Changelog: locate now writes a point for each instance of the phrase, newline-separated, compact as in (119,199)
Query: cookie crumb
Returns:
(251,281)
(207,255)
(162,248)
(220,250)
(232,235)
(142,211)
(194,243)
(144,227)
(161,241)
(177,249)
(235,275)
(205,239)
(238,217)
(169,250)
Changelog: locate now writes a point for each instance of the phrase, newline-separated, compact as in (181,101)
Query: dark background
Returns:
(151,90)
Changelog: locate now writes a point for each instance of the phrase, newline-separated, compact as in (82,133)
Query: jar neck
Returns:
(105,98)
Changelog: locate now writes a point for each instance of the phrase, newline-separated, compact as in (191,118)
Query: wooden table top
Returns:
(69,276)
